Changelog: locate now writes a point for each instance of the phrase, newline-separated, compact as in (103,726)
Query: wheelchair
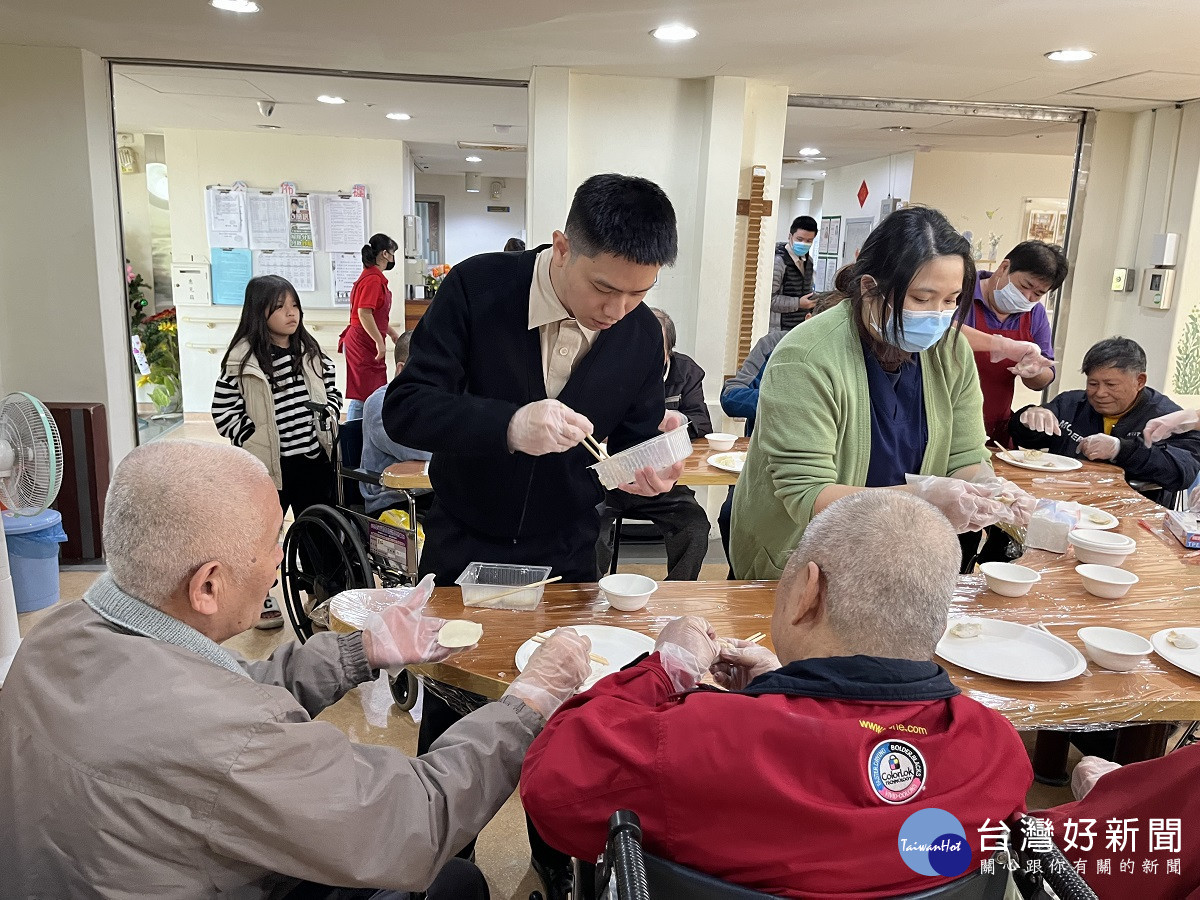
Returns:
(330,549)
(626,872)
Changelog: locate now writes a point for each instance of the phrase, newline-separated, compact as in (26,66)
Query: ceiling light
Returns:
(326,98)
(235,6)
(1070,55)
(676,31)
(269,127)
(399,117)
(474,159)
(809,151)
(813,159)
(896,128)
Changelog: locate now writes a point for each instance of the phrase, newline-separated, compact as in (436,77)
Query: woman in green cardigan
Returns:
(876,389)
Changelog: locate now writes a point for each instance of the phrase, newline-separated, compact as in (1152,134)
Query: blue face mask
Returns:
(921,329)
(800,248)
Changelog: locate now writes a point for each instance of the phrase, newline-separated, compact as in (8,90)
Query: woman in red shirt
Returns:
(363,341)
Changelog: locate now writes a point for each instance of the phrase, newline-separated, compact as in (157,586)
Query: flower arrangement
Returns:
(159,334)
(434,278)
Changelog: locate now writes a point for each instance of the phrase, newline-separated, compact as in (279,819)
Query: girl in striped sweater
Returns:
(273,369)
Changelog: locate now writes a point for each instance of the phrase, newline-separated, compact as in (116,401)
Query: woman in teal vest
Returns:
(876,391)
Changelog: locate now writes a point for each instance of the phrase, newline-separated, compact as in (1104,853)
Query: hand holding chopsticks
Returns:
(594,448)
(594,657)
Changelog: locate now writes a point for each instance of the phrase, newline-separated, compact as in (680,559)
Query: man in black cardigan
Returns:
(1109,417)
(519,356)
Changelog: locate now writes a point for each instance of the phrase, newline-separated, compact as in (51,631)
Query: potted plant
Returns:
(434,278)
(159,336)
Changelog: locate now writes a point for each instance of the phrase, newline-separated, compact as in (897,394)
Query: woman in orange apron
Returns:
(363,341)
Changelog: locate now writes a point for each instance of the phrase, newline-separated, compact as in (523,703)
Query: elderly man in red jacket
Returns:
(801,778)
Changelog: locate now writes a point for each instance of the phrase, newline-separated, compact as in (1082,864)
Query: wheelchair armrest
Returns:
(363,475)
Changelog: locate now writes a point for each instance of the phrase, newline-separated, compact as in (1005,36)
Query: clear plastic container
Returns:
(660,452)
(482,582)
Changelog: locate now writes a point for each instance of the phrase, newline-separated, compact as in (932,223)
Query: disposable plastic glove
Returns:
(687,647)
(741,662)
(401,634)
(554,672)
(1007,348)
(1020,504)
(672,420)
(1038,418)
(546,426)
(1172,423)
(1100,446)
(968,506)
(1031,364)
(1087,772)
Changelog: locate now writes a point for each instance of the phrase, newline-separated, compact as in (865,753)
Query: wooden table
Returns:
(696,470)
(1155,692)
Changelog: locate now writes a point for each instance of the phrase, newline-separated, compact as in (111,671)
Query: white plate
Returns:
(1012,652)
(1110,521)
(730,461)
(1047,462)
(1188,660)
(619,646)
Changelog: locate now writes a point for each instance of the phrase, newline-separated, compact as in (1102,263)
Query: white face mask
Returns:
(1009,299)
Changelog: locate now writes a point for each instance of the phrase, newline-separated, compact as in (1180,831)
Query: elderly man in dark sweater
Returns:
(682,521)
(1105,422)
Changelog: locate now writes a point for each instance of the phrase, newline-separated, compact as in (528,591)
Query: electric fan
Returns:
(30,476)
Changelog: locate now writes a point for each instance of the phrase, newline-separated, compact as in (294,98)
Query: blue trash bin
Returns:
(33,557)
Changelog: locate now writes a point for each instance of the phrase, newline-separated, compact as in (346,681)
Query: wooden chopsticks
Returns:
(594,657)
(756,637)
(524,587)
(594,448)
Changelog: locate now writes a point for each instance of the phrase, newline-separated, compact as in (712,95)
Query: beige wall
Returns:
(469,227)
(888,176)
(200,158)
(65,335)
(966,186)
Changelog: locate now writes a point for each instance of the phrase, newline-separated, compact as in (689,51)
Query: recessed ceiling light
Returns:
(236,6)
(676,31)
(269,127)
(896,128)
(1070,55)
(474,159)
(399,117)
(814,159)
(809,151)
(326,98)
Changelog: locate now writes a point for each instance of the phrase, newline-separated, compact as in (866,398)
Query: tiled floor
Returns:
(503,850)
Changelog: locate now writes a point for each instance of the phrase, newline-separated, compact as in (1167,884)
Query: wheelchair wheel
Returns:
(323,555)
(404,690)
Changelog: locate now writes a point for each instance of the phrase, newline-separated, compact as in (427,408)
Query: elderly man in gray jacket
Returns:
(139,758)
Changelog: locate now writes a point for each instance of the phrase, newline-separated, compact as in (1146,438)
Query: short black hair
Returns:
(626,216)
(1115,353)
(400,353)
(1041,260)
(803,223)
(668,326)
(512,244)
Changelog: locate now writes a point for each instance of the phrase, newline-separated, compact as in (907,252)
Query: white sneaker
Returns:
(271,616)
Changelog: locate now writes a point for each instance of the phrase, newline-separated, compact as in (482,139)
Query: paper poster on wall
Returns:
(297,266)
(299,224)
(225,218)
(345,269)
(268,214)
(231,272)
(344,225)
(831,235)
(826,272)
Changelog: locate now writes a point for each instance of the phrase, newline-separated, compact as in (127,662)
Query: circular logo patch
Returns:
(896,770)
(933,842)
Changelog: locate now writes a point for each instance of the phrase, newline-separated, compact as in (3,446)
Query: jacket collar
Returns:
(857,678)
(130,614)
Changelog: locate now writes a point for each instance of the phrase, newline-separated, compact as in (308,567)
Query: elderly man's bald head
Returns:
(175,505)
(889,564)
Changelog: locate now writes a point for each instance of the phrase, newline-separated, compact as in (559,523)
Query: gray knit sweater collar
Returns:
(126,612)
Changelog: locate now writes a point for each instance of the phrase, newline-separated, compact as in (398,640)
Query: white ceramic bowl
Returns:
(1108,582)
(627,592)
(721,442)
(1112,648)
(1101,547)
(1009,579)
